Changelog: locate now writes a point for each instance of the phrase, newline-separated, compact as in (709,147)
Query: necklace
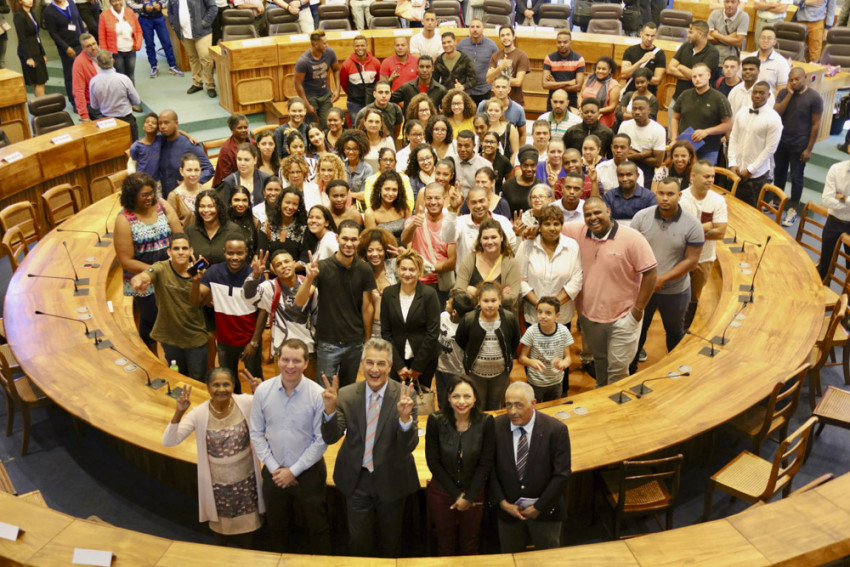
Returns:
(224,411)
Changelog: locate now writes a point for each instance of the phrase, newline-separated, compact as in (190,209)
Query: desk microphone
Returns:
(734,239)
(77,291)
(620,397)
(81,281)
(641,389)
(154,384)
(174,392)
(736,318)
(705,351)
(740,249)
(100,243)
(108,234)
(93,334)
(752,287)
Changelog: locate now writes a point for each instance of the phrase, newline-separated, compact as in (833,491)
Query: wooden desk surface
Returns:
(807,529)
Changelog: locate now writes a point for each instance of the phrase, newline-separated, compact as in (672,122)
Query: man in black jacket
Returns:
(530,474)
(453,69)
(434,90)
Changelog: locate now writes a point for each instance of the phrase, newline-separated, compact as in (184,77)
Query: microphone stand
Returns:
(734,239)
(752,287)
(642,388)
(77,290)
(705,351)
(108,234)
(740,249)
(93,334)
(736,318)
(155,384)
(620,398)
(173,392)
(100,243)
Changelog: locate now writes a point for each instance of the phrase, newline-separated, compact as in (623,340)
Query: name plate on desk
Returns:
(61,139)
(108,123)
(544,28)
(252,42)
(349,34)
(92,557)
(402,32)
(299,37)
(13,157)
(10,532)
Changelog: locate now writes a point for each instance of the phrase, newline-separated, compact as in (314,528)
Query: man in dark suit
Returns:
(530,477)
(374,468)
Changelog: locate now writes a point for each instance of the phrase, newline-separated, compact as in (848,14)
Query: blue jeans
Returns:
(192,362)
(160,28)
(784,158)
(342,360)
(125,63)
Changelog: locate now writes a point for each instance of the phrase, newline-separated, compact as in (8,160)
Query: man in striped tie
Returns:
(530,475)
(374,467)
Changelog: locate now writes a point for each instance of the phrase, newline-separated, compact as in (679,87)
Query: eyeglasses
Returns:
(424,159)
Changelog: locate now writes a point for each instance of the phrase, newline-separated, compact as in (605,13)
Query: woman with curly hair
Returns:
(378,248)
(286,227)
(295,170)
(389,205)
(212,227)
(420,108)
(459,109)
(438,133)
(377,136)
(421,167)
(143,229)
(353,147)
(269,160)
(328,168)
(682,159)
(386,162)
(296,146)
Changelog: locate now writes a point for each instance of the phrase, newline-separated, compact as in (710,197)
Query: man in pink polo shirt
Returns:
(619,277)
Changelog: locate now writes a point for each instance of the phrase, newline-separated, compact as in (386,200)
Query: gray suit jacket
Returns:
(392,455)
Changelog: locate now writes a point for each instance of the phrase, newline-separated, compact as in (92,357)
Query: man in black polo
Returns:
(575,135)
(423,83)
(695,50)
(644,55)
(390,111)
(345,284)
(706,111)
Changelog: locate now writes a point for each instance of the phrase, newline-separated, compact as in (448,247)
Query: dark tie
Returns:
(753,111)
(521,453)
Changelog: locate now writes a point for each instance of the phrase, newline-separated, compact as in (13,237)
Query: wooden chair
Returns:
(535,94)
(117,180)
(761,421)
(23,216)
(6,482)
(833,409)
(61,203)
(6,350)
(838,272)
(14,244)
(638,488)
(731,178)
(754,479)
(762,204)
(20,392)
(213,145)
(831,335)
(809,232)
(263,128)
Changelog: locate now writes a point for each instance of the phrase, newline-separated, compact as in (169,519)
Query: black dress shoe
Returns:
(589,368)
(193,89)
(211,92)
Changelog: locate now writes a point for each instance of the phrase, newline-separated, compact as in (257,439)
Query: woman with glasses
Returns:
(420,169)
(438,133)
(459,109)
(414,134)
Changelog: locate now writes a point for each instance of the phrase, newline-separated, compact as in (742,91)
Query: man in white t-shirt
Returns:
(428,41)
(710,209)
(648,138)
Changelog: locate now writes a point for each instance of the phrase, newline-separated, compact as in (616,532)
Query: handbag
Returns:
(424,400)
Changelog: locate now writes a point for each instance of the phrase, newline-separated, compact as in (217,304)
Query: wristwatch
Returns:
(254,344)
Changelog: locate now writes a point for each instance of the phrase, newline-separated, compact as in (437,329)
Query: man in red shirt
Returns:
(358,75)
(401,67)
(82,72)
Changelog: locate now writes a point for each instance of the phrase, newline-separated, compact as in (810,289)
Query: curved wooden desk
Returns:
(806,529)
(89,385)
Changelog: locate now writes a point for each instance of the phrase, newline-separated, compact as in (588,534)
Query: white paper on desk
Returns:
(13,157)
(92,557)
(10,532)
(526,502)
(299,37)
(108,123)
(61,139)
(401,32)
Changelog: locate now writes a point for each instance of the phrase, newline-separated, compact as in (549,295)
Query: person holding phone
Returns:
(179,324)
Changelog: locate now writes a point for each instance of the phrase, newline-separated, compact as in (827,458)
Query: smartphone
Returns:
(201,264)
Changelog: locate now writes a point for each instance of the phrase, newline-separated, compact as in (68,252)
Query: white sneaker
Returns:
(790,217)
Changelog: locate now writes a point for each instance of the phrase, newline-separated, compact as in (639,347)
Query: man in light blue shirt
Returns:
(113,93)
(480,49)
(286,420)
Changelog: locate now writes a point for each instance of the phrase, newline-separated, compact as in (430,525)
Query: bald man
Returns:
(174,147)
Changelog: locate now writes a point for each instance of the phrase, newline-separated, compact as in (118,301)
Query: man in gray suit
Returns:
(374,468)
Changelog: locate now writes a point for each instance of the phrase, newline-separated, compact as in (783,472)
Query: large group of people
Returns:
(427,234)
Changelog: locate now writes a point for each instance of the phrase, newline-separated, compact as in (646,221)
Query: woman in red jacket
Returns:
(119,32)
